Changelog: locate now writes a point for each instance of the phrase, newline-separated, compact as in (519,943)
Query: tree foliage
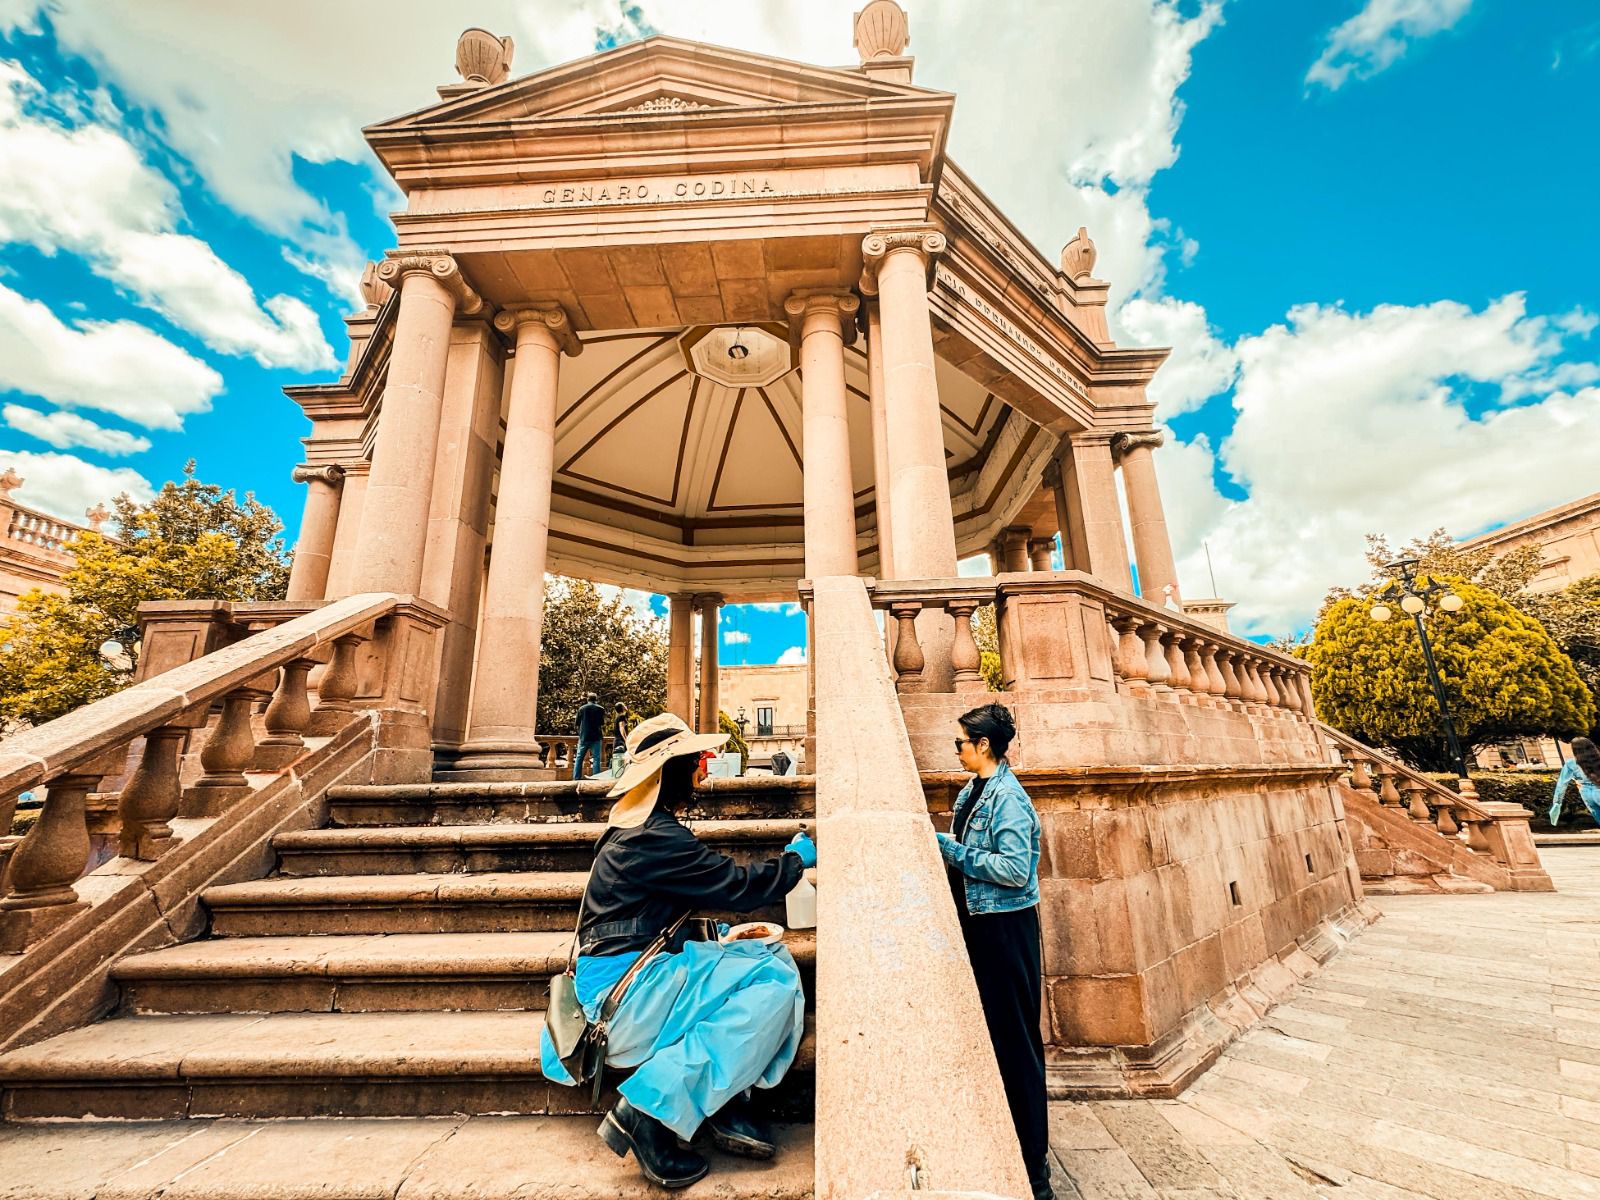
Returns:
(597,644)
(1503,674)
(193,541)
(986,632)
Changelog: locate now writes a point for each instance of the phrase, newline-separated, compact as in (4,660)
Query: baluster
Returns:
(1258,685)
(1360,775)
(1289,684)
(287,717)
(336,696)
(1157,673)
(1387,792)
(964,656)
(1269,686)
(152,795)
(908,659)
(226,756)
(1445,820)
(1476,839)
(46,863)
(1177,669)
(1416,806)
(1231,687)
(1131,662)
(1214,681)
(1199,683)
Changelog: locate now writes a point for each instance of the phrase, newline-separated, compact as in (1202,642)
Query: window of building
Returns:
(764,722)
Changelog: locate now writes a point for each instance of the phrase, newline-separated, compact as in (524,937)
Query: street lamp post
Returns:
(741,721)
(1414,597)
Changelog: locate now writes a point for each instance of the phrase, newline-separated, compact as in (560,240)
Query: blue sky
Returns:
(1365,226)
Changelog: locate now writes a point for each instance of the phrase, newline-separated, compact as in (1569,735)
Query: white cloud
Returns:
(67,487)
(64,430)
(1200,365)
(792,657)
(1354,423)
(115,366)
(788,608)
(1378,36)
(639,600)
(735,637)
(977,566)
(84,190)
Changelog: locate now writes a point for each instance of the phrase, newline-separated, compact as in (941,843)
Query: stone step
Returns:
(463,972)
(421,1158)
(492,902)
(768,797)
(447,849)
(307,1065)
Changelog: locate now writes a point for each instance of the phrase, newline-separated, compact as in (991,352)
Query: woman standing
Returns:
(701,1026)
(992,853)
(1583,768)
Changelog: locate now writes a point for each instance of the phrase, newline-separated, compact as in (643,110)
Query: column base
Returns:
(493,762)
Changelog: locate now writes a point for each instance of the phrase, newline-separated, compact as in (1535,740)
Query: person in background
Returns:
(992,854)
(1583,769)
(619,734)
(591,722)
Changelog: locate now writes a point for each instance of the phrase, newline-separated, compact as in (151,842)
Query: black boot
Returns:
(654,1147)
(736,1130)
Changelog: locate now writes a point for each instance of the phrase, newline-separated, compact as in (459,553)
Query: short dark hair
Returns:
(621,706)
(1588,756)
(992,721)
(590,697)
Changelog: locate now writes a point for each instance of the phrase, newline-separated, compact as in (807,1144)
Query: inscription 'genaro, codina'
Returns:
(646,191)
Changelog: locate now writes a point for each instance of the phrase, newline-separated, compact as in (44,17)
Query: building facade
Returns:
(36,549)
(1568,535)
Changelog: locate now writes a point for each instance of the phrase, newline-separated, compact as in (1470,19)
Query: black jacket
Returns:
(591,720)
(647,877)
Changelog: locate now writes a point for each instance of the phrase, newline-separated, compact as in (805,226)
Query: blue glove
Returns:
(805,848)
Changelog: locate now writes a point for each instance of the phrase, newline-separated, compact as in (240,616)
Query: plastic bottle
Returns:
(800,904)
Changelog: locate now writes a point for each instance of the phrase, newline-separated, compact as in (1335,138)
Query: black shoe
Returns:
(735,1130)
(1042,1189)
(654,1147)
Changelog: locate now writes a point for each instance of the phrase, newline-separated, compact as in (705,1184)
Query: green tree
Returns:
(193,541)
(600,645)
(986,632)
(1503,674)
(727,725)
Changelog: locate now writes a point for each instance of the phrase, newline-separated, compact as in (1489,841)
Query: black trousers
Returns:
(1004,949)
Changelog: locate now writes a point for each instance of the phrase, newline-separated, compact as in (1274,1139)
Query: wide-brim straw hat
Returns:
(668,738)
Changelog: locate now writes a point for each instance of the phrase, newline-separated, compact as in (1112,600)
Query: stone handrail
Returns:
(1425,800)
(904,600)
(37,530)
(74,753)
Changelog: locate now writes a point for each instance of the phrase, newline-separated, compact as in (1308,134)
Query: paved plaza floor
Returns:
(1451,1052)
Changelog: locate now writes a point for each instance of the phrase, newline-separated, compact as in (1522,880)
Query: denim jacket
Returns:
(999,855)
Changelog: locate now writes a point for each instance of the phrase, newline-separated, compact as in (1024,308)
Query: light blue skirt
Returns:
(699,1028)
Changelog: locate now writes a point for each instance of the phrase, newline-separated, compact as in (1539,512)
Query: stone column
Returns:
(1086,506)
(882,502)
(1040,551)
(347,533)
(1152,548)
(710,606)
(501,730)
(313,553)
(923,534)
(680,657)
(1011,549)
(825,324)
(394,524)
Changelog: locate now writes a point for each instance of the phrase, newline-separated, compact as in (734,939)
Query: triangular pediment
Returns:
(663,77)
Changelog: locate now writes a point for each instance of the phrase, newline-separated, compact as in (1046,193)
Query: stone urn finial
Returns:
(1077,258)
(882,30)
(98,516)
(483,58)
(9,482)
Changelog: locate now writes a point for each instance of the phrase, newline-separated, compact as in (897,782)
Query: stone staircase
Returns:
(395,964)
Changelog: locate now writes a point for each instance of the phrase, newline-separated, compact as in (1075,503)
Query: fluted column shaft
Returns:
(830,518)
(394,524)
(1152,547)
(710,686)
(313,553)
(505,695)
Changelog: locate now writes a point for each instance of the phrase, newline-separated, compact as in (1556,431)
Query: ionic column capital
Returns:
(1126,442)
(551,317)
(331,474)
(1052,474)
(927,244)
(707,601)
(441,267)
(809,304)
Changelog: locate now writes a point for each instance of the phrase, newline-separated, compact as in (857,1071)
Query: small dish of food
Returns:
(766,933)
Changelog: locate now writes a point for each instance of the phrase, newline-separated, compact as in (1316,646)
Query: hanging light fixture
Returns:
(738,351)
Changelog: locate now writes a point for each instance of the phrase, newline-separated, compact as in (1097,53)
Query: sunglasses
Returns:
(960,742)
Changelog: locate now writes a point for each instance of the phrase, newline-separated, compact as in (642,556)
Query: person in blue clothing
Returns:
(992,854)
(1583,769)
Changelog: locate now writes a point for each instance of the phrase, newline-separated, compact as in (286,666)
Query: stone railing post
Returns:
(1053,637)
(908,660)
(1177,665)
(336,695)
(287,718)
(152,795)
(1416,805)
(965,658)
(1131,661)
(398,673)
(1388,794)
(1157,671)
(228,753)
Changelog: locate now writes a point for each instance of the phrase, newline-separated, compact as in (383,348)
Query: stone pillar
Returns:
(680,657)
(347,533)
(1152,548)
(882,502)
(1011,548)
(1040,552)
(923,533)
(1086,506)
(313,553)
(502,729)
(710,606)
(394,524)
(825,324)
